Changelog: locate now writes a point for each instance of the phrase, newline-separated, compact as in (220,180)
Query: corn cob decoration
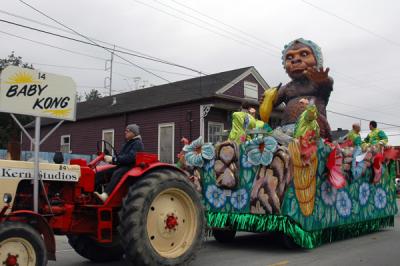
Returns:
(304,159)
(304,178)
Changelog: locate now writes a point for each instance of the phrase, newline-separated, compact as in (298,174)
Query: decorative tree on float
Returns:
(9,131)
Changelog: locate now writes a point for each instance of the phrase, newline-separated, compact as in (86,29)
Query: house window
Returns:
(250,90)
(166,143)
(65,145)
(108,136)
(214,131)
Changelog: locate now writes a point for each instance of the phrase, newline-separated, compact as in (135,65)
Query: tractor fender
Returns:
(40,224)
(148,168)
(115,199)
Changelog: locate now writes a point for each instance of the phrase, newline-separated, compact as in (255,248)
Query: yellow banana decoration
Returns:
(268,102)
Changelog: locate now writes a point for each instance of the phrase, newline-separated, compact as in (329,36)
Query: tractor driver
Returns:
(124,161)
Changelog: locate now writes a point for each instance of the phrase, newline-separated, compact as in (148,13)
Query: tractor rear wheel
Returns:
(162,220)
(89,248)
(21,244)
(224,235)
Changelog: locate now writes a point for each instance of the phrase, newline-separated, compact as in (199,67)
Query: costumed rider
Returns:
(354,135)
(376,136)
(310,83)
(241,121)
(245,119)
(124,161)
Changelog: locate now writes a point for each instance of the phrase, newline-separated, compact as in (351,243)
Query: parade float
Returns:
(293,179)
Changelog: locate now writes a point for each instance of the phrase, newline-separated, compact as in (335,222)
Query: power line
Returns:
(91,87)
(360,118)
(99,58)
(102,69)
(71,67)
(212,25)
(227,25)
(70,32)
(52,46)
(352,23)
(100,46)
(361,107)
(202,27)
(107,49)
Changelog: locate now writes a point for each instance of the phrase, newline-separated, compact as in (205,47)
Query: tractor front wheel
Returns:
(21,244)
(162,220)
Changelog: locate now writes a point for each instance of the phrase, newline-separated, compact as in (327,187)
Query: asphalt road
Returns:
(377,249)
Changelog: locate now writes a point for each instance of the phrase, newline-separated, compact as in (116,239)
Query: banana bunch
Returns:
(269,99)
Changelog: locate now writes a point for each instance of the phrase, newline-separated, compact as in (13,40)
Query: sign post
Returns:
(39,94)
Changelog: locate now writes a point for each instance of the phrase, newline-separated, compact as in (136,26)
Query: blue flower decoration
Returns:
(380,198)
(209,164)
(244,162)
(215,196)
(343,204)
(239,199)
(328,193)
(260,150)
(357,168)
(197,151)
(363,193)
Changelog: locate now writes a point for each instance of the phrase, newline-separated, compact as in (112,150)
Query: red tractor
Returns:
(154,216)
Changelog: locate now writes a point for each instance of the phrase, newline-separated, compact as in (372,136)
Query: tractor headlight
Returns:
(7,198)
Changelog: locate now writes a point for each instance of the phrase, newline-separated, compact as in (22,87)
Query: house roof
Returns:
(166,94)
(339,133)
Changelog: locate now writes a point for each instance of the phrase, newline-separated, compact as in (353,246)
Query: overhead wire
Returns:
(227,25)
(70,32)
(70,67)
(90,40)
(361,107)
(52,46)
(244,39)
(205,28)
(363,119)
(352,23)
(97,45)
(106,48)
(99,58)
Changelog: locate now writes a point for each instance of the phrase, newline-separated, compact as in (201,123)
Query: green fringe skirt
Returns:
(283,224)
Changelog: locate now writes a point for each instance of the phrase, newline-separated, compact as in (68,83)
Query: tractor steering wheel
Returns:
(101,154)
(106,152)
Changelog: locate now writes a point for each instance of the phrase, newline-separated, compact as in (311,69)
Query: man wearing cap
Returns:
(124,161)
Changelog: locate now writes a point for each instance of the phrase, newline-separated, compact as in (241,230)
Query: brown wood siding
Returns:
(84,134)
(179,115)
(216,115)
(238,89)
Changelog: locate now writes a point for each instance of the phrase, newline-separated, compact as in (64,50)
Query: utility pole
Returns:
(109,78)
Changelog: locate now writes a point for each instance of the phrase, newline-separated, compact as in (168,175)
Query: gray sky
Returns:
(359,42)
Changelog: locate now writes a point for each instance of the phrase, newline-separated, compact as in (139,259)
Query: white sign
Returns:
(47,175)
(31,92)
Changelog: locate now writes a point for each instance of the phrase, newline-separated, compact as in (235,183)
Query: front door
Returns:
(166,136)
